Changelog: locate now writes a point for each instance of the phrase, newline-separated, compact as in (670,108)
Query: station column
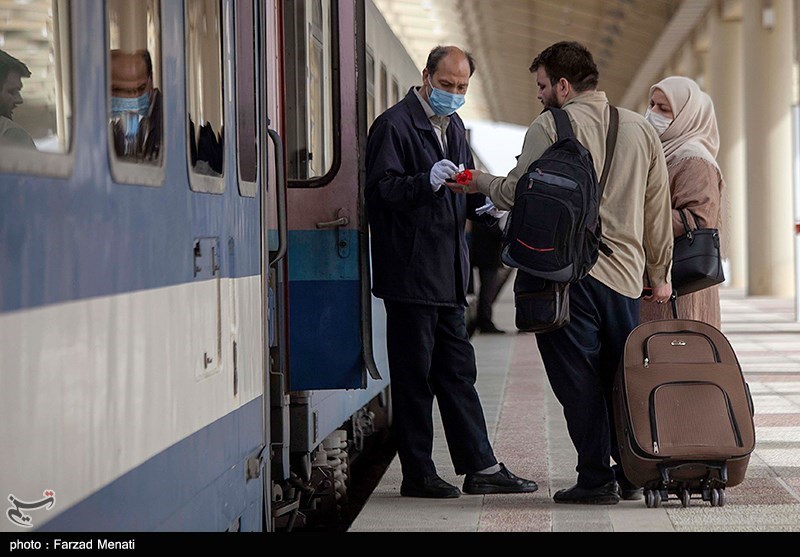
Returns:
(726,87)
(768,48)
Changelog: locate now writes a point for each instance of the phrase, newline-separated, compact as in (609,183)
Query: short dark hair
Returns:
(571,61)
(441,52)
(8,64)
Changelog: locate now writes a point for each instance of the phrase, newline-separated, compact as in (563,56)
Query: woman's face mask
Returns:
(659,122)
(444,103)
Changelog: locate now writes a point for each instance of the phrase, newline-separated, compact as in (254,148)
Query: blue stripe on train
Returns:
(314,255)
(196,485)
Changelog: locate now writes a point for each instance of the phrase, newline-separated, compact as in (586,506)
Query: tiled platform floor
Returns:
(529,435)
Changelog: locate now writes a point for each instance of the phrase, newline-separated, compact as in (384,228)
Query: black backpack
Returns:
(554,231)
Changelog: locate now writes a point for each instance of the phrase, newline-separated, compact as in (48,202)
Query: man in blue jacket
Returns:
(420,269)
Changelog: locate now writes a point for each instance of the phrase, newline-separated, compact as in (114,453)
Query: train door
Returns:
(274,286)
(327,340)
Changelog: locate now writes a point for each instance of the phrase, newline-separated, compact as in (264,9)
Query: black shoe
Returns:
(490,329)
(499,482)
(431,487)
(627,490)
(607,494)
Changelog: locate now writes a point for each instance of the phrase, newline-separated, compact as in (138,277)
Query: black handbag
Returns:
(542,306)
(696,259)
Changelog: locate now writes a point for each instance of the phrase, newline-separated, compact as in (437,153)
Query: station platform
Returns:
(529,435)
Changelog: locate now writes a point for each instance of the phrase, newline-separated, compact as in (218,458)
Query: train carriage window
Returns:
(35,87)
(246,98)
(395,91)
(135,103)
(370,88)
(384,89)
(204,90)
(312,82)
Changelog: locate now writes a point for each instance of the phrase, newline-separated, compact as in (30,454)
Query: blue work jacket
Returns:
(419,248)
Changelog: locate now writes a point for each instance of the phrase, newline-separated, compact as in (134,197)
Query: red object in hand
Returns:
(464,178)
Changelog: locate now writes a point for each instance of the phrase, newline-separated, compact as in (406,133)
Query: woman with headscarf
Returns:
(683,116)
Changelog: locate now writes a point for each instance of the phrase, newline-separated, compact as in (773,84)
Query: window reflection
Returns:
(246,92)
(204,88)
(136,116)
(310,88)
(35,69)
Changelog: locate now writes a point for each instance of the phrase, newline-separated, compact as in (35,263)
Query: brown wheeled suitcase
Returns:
(683,412)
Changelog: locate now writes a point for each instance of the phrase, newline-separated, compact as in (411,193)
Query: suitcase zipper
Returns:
(717,358)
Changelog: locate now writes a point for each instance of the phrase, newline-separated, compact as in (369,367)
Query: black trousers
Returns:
(581,360)
(430,356)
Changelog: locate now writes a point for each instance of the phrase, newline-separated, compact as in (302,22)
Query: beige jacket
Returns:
(635,209)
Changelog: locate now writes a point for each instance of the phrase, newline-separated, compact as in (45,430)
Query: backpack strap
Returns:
(563,126)
(611,147)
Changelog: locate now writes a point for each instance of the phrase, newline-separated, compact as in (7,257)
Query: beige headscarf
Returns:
(694,131)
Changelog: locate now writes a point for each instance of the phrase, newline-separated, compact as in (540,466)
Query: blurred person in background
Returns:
(11,73)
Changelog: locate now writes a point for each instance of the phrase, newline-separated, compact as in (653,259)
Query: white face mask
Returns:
(659,122)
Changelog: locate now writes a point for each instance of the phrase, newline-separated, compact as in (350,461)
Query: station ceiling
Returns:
(631,41)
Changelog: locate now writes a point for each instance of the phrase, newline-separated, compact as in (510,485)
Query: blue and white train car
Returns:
(189,341)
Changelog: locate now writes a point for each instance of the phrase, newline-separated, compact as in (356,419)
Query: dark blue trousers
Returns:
(581,360)
(430,355)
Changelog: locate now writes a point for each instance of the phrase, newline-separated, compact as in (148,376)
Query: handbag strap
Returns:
(686,227)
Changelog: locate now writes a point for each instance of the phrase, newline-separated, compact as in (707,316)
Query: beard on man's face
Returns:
(551,100)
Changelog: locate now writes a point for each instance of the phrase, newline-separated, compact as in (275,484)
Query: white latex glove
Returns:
(442,171)
(491,210)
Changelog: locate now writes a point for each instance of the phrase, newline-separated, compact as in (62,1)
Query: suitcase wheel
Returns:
(718,497)
(652,498)
(686,496)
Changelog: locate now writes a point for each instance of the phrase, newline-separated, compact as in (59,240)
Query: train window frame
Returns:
(124,172)
(247,188)
(383,85)
(198,182)
(370,92)
(47,164)
(396,98)
(336,107)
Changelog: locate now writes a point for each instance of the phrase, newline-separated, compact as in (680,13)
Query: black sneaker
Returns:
(607,494)
(502,481)
(431,487)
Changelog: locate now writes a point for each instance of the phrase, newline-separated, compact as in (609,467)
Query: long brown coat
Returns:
(696,186)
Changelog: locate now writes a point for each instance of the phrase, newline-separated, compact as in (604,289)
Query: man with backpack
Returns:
(582,358)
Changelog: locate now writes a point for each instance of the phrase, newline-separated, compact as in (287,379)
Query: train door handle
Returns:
(344,221)
(280,178)
(342,241)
